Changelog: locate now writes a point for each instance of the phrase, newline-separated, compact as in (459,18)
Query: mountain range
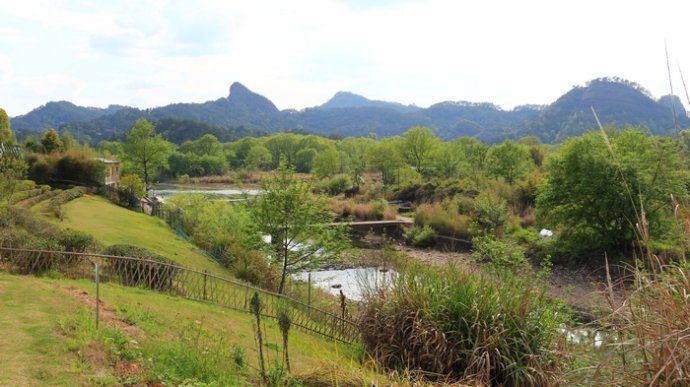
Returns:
(616,101)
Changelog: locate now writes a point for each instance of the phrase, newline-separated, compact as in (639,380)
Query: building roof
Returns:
(107,161)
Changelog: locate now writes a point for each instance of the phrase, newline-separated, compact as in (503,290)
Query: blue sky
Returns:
(299,53)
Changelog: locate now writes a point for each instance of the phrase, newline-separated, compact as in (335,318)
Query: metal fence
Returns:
(180,281)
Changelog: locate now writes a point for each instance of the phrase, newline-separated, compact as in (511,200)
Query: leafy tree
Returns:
(474,155)
(356,150)
(146,150)
(304,159)
(385,157)
(32,144)
(418,146)
(68,140)
(447,159)
(51,141)
(258,158)
(6,135)
(508,160)
(327,163)
(12,169)
(283,145)
(207,144)
(130,188)
(597,200)
(296,222)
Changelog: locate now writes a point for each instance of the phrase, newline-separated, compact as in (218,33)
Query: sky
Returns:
(299,53)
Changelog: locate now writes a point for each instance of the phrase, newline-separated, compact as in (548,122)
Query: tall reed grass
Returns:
(453,324)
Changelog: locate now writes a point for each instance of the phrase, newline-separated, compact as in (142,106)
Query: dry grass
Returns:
(445,221)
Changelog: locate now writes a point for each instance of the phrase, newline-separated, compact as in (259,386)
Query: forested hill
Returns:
(617,102)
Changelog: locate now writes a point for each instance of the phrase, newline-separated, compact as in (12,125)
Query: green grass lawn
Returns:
(111,224)
(32,350)
(176,339)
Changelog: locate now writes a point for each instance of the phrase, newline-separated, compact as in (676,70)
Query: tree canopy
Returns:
(147,151)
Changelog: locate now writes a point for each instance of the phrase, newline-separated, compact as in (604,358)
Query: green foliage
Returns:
(448,322)
(417,236)
(12,169)
(597,199)
(385,157)
(295,220)
(497,252)
(51,141)
(338,184)
(326,163)
(130,189)
(147,151)
(223,229)
(444,218)
(6,135)
(259,157)
(417,147)
(79,167)
(490,212)
(509,160)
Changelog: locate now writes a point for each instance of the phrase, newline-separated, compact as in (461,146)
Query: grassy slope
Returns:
(32,351)
(38,354)
(111,225)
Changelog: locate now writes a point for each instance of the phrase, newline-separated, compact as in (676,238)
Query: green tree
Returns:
(356,149)
(258,158)
(597,200)
(12,169)
(207,144)
(6,135)
(147,151)
(509,160)
(418,146)
(474,155)
(51,141)
(68,140)
(326,163)
(296,221)
(385,157)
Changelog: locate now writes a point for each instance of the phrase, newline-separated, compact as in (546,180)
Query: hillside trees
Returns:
(597,200)
(385,157)
(147,151)
(201,157)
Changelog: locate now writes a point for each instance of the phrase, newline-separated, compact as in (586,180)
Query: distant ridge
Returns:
(618,103)
(346,99)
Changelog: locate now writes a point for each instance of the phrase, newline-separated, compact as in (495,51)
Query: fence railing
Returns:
(180,281)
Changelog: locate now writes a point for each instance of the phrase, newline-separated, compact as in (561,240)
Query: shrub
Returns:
(149,270)
(130,189)
(254,268)
(497,252)
(76,242)
(420,236)
(338,184)
(446,221)
(457,325)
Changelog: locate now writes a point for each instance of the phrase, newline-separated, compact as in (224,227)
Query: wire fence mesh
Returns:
(179,281)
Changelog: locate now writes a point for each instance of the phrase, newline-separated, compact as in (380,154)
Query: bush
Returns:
(420,236)
(457,325)
(149,270)
(254,268)
(76,242)
(446,221)
(80,168)
(338,184)
(130,189)
(497,252)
